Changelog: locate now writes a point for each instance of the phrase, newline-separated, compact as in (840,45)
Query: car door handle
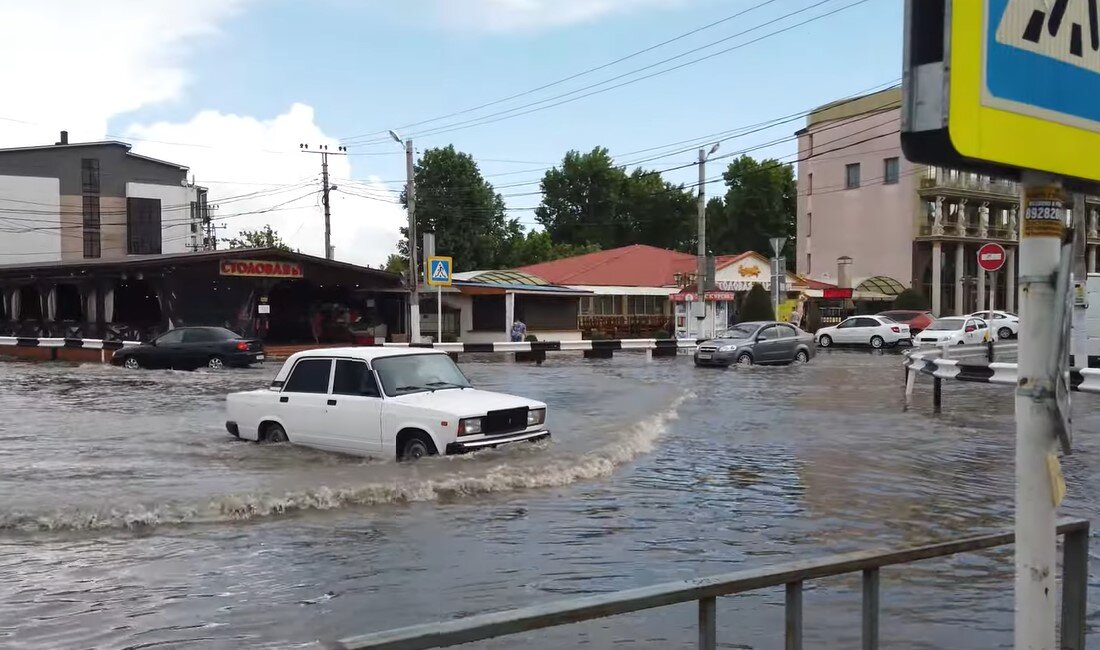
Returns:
(332,402)
(284,399)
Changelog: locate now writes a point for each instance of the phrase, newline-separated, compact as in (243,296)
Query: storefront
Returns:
(279,296)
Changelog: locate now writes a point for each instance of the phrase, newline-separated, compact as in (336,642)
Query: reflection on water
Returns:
(128,518)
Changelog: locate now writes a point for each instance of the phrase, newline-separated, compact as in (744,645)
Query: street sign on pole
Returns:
(991,257)
(439,276)
(777,244)
(1000,86)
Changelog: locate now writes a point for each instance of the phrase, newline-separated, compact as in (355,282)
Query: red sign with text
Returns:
(261,269)
(991,257)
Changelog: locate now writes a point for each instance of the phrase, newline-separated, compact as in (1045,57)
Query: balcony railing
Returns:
(970,231)
(934,178)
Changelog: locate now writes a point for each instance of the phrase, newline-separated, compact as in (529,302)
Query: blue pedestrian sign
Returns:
(998,86)
(439,271)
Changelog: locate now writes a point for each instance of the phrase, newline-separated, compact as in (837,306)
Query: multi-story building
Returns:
(859,197)
(94,200)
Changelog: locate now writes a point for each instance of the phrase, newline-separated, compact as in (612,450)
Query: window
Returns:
(866,322)
(786,331)
(768,334)
(309,376)
(851,176)
(607,305)
(354,378)
(646,305)
(207,335)
(809,183)
(172,337)
(809,263)
(92,242)
(809,224)
(143,226)
(890,171)
(89,175)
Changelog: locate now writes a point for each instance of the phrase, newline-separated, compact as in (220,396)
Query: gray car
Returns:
(763,342)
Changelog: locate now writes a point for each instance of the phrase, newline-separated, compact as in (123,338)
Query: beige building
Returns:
(858,197)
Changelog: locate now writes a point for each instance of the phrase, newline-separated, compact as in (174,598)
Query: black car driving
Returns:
(188,348)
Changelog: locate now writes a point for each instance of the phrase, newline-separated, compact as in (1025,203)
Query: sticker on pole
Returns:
(1045,214)
(439,271)
(991,257)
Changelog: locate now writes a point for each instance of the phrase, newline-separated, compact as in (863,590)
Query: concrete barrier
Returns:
(60,349)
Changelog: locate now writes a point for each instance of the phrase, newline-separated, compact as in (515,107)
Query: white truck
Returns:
(400,403)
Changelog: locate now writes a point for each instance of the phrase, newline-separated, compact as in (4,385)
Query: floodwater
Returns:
(130,519)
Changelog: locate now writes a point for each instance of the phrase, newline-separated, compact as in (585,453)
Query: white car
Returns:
(956,330)
(1004,324)
(875,331)
(400,403)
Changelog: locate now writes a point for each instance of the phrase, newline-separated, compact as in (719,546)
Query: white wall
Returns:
(28,202)
(175,212)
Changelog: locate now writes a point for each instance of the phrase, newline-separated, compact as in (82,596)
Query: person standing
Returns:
(316,325)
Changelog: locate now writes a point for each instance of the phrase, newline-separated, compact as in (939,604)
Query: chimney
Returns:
(64,138)
(844,272)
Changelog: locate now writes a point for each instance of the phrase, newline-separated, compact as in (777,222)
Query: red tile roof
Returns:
(638,265)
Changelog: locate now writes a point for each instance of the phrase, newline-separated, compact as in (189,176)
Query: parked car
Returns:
(763,342)
(382,402)
(1006,325)
(875,331)
(188,348)
(956,330)
(917,320)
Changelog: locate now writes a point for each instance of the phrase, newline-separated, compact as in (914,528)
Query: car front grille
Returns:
(504,421)
(708,350)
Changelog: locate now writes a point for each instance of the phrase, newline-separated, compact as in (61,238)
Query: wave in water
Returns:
(532,471)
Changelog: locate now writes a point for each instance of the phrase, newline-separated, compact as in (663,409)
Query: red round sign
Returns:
(991,257)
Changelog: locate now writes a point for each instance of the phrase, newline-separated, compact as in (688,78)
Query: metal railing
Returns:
(791,575)
(950,179)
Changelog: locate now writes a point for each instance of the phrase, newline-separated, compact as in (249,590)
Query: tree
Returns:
(466,214)
(758,304)
(266,237)
(759,204)
(911,299)
(537,246)
(590,200)
(396,264)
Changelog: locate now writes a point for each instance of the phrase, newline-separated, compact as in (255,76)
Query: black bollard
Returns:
(937,394)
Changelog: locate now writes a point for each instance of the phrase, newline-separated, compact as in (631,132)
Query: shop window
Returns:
(607,305)
(647,305)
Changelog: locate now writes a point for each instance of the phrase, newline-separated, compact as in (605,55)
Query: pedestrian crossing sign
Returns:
(999,86)
(439,271)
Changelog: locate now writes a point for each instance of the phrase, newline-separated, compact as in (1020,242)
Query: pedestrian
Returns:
(519,331)
(316,324)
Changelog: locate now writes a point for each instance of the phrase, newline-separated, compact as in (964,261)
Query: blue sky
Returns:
(366,66)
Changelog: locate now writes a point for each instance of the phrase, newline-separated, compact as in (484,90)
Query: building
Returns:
(899,222)
(95,200)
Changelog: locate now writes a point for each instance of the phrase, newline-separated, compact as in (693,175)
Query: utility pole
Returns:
(325,189)
(701,271)
(414,273)
(1079,341)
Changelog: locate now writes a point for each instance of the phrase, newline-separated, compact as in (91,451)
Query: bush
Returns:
(911,299)
(661,334)
(758,305)
(531,338)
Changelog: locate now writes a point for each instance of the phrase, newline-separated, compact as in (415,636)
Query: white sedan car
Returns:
(875,331)
(1004,324)
(399,403)
(956,330)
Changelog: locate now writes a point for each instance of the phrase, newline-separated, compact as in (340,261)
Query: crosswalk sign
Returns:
(439,271)
(999,86)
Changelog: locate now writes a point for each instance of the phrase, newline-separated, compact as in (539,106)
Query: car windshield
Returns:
(742,331)
(947,324)
(416,373)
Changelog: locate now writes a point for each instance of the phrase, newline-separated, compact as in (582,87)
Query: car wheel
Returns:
(215,363)
(877,342)
(801,357)
(744,359)
(1004,333)
(131,363)
(825,341)
(417,446)
(275,433)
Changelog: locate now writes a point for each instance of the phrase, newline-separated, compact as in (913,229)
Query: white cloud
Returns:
(237,155)
(506,15)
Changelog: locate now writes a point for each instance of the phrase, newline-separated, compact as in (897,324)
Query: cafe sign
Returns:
(261,269)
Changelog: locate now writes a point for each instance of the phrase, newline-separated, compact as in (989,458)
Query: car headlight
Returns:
(727,348)
(469,426)
(535,417)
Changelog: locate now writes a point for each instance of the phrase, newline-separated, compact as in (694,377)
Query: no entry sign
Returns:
(991,257)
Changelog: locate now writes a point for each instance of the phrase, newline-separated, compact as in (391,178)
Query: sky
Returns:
(231,88)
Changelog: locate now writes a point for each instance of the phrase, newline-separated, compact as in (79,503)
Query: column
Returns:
(937,276)
(100,308)
(1010,280)
(960,272)
(981,289)
(509,314)
(1092,259)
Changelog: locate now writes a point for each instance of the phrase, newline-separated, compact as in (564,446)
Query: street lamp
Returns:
(414,274)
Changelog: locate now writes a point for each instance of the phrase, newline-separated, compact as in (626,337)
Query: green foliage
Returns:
(758,305)
(911,299)
(661,334)
(396,264)
(537,246)
(466,214)
(759,204)
(265,237)
(531,338)
(589,200)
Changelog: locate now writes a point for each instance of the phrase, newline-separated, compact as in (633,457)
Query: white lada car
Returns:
(399,403)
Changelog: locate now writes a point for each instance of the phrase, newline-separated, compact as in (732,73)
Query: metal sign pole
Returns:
(992,294)
(439,314)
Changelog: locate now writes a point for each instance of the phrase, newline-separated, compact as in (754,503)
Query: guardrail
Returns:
(87,344)
(555,346)
(705,591)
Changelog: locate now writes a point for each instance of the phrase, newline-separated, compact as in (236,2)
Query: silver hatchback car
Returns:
(763,342)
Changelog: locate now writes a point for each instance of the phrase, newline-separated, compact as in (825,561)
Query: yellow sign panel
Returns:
(1025,84)
(439,271)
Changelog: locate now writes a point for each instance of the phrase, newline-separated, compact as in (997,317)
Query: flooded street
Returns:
(130,519)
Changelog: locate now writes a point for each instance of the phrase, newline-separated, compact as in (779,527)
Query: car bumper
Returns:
(716,358)
(245,358)
(462,447)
